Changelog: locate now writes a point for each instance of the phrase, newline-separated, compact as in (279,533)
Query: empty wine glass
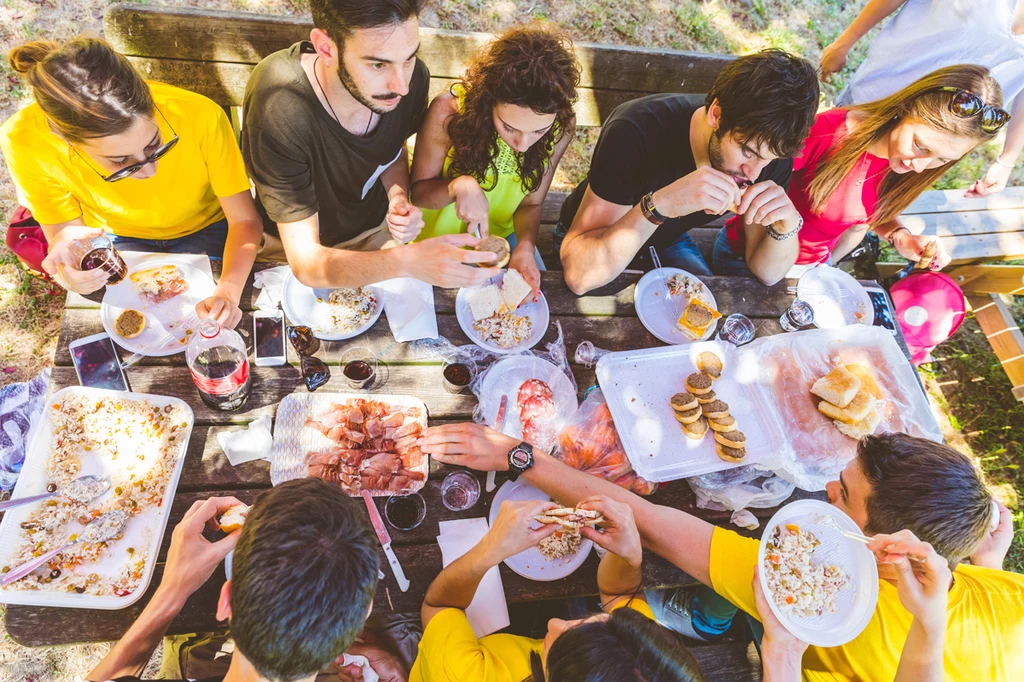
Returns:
(460,490)
(737,330)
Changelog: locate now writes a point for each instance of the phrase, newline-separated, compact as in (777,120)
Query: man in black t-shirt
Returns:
(303,576)
(665,164)
(323,137)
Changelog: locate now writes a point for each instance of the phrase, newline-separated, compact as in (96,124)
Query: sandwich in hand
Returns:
(696,319)
(570,517)
(499,247)
(233,518)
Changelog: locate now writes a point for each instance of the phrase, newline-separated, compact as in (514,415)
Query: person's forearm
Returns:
(455,586)
(781,664)
(616,577)
(432,193)
(396,176)
(333,268)
(675,535)
(132,652)
(771,259)
(596,257)
(1014,143)
(848,242)
(922,657)
(239,254)
(873,12)
(51,231)
(526,221)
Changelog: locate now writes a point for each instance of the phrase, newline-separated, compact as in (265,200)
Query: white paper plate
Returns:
(837,298)
(638,386)
(508,374)
(164,333)
(293,440)
(305,306)
(530,563)
(147,527)
(538,313)
(856,603)
(659,316)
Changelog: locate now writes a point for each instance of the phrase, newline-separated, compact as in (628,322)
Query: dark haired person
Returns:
(302,582)
(862,166)
(326,124)
(156,167)
(896,483)
(489,146)
(665,164)
(614,645)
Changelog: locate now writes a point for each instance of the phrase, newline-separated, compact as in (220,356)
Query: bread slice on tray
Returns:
(864,427)
(855,410)
(837,387)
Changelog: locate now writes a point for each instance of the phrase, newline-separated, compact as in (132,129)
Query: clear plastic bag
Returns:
(590,443)
(739,488)
(540,387)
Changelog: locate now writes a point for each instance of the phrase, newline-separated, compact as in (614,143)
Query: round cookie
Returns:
(698,383)
(710,364)
(688,416)
(732,439)
(129,324)
(497,246)
(708,397)
(723,424)
(697,429)
(716,409)
(682,402)
(730,454)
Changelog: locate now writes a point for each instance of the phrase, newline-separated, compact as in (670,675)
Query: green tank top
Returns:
(503,199)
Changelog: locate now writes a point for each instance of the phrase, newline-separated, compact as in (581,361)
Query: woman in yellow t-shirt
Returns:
(613,645)
(487,150)
(154,166)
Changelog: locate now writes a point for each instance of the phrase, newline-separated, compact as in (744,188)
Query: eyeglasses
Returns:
(967,105)
(128,171)
(314,372)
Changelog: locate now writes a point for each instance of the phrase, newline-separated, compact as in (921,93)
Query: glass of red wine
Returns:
(457,376)
(405,509)
(99,252)
(359,365)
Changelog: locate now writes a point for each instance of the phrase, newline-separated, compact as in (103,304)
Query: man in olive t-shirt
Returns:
(324,134)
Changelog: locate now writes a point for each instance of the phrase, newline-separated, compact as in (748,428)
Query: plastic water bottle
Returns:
(220,366)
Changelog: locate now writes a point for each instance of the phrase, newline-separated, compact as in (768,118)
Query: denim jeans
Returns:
(724,260)
(683,253)
(512,241)
(209,240)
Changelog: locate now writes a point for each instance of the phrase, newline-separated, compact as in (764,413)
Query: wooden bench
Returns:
(213,52)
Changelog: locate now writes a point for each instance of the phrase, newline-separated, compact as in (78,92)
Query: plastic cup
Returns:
(737,330)
(460,490)
(405,509)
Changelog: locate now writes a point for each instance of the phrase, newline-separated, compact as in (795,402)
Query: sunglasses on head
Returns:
(128,171)
(967,105)
(314,372)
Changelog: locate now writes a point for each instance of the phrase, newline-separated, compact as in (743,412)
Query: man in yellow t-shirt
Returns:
(896,482)
(154,166)
(619,641)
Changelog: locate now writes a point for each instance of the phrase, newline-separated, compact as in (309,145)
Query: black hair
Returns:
(339,18)
(303,577)
(770,97)
(627,647)
(927,488)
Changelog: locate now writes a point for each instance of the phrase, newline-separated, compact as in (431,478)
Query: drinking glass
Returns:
(99,252)
(737,330)
(405,509)
(359,365)
(799,316)
(460,490)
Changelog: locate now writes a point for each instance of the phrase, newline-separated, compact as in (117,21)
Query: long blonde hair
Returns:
(922,100)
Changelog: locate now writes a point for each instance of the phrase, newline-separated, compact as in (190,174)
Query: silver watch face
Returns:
(520,457)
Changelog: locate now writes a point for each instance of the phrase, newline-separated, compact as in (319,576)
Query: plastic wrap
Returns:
(540,387)
(739,488)
(590,443)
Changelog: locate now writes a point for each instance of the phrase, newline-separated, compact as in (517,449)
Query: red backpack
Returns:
(26,239)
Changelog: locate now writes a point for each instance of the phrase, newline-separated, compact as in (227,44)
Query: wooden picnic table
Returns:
(605,317)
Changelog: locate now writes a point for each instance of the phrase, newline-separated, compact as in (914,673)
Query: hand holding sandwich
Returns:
(620,536)
(513,529)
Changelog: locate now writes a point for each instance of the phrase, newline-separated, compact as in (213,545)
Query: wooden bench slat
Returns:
(989,279)
(971,248)
(729,662)
(952,200)
(246,38)
(1004,335)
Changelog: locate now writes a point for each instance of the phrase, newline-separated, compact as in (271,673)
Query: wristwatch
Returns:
(783,236)
(650,211)
(520,460)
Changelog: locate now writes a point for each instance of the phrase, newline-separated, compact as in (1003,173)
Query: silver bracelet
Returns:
(783,236)
(999,161)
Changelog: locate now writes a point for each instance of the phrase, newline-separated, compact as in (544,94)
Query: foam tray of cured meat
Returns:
(357,441)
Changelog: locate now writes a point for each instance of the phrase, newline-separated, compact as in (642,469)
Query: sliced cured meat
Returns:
(534,387)
(414,475)
(373,428)
(393,421)
(539,432)
(536,407)
(408,429)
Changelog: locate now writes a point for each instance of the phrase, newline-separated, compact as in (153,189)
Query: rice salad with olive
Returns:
(139,443)
(800,586)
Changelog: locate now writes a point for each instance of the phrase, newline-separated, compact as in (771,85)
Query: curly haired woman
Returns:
(488,147)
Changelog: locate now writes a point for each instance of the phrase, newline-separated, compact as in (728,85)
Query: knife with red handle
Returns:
(385,541)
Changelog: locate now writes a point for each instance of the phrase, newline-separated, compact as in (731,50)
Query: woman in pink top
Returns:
(861,167)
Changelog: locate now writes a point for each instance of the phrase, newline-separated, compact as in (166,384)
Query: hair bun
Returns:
(25,57)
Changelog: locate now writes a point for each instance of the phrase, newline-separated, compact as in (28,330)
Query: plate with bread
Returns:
(501,315)
(675,306)
(147,311)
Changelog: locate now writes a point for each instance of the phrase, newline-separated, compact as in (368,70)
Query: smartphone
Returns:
(268,335)
(97,364)
(885,316)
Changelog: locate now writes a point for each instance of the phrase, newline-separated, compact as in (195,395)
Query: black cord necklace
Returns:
(316,77)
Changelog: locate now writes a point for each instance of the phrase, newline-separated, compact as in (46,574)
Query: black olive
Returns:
(51,487)
(79,589)
(55,573)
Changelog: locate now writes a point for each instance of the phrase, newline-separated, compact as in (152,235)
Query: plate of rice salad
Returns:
(136,440)
(506,332)
(332,314)
(821,585)
(559,557)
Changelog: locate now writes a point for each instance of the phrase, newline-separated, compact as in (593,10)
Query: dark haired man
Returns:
(665,164)
(302,582)
(896,482)
(326,123)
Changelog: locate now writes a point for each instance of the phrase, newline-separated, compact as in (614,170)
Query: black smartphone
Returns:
(268,338)
(97,364)
(885,316)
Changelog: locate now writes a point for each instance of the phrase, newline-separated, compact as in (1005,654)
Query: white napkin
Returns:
(271,281)
(488,611)
(369,675)
(252,442)
(137,260)
(409,304)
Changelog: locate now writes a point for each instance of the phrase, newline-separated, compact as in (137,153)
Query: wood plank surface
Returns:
(952,200)
(729,662)
(1004,335)
(246,38)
